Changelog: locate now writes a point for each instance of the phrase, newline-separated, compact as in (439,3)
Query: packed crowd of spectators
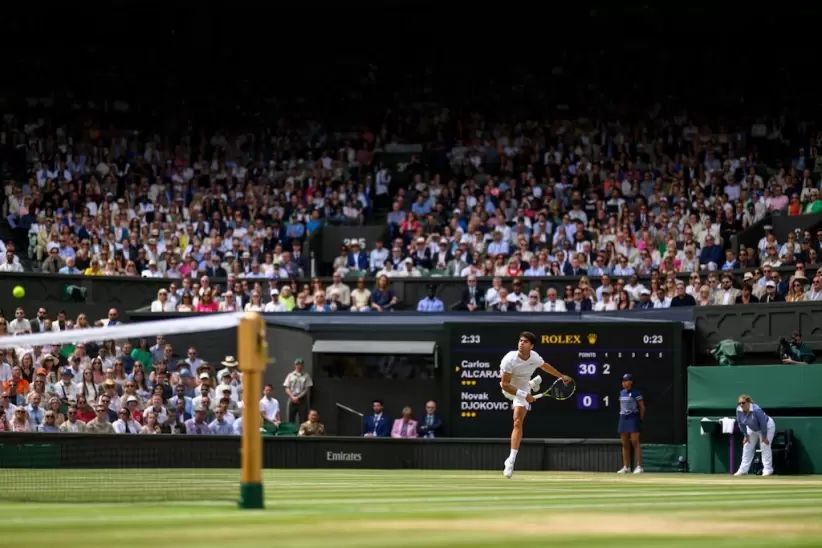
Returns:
(491,183)
(570,199)
(116,387)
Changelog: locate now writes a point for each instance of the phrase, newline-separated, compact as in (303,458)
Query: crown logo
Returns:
(592,338)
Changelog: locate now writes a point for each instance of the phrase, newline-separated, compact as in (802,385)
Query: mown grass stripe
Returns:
(345,509)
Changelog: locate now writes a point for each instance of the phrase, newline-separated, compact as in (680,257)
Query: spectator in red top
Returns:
(21,384)
(84,411)
(206,303)
(409,227)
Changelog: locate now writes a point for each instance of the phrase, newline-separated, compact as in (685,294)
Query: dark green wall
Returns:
(718,387)
(807,445)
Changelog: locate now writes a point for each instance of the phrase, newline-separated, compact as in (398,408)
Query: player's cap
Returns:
(627,377)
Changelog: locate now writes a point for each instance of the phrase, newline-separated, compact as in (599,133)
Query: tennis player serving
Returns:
(517,367)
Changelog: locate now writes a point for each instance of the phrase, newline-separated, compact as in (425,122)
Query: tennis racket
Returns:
(560,390)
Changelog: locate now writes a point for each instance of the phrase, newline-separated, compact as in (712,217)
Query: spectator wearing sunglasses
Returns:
(49,424)
(125,423)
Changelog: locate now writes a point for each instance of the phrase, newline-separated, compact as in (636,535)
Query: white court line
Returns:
(540,477)
(518,496)
(272,514)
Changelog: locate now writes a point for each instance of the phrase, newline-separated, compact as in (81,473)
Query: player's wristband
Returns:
(521,394)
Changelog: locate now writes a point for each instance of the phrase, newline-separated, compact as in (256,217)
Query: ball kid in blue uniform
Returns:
(631,414)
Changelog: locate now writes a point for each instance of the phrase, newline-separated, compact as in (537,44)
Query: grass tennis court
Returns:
(438,509)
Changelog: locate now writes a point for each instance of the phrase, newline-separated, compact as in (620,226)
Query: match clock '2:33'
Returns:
(596,354)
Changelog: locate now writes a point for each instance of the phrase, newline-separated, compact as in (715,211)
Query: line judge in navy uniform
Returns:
(756,426)
(379,424)
(631,413)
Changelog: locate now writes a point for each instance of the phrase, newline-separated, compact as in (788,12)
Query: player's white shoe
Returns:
(509,468)
(739,474)
(767,473)
(624,470)
(535,382)
(638,470)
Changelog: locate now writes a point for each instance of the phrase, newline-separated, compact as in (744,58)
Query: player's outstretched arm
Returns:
(548,368)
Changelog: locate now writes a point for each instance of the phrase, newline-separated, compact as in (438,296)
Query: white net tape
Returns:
(126,331)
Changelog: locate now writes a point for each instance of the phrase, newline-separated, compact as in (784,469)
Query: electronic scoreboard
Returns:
(595,354)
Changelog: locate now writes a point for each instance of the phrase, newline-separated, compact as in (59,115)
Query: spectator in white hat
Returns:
(152,271)
(226,384)
(274,305)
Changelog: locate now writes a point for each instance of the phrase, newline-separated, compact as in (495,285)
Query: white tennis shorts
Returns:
(518,402)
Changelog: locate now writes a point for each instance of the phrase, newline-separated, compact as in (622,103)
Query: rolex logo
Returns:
(592,338)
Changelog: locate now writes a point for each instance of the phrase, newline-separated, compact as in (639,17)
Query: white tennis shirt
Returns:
(521,370)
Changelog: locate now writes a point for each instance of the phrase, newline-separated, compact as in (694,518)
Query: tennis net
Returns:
(46,455)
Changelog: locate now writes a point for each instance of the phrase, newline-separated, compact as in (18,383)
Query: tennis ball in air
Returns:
(19,292)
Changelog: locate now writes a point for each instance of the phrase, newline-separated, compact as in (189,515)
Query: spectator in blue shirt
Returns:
(383,297)
(66,251)
(69,268)
(430,303)
(396,216)
(498,246)
(710,253)
(320,304)
(315,222)
(421,207)
(357,259)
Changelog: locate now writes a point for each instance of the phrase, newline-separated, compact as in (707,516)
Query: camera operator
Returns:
(795,351)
